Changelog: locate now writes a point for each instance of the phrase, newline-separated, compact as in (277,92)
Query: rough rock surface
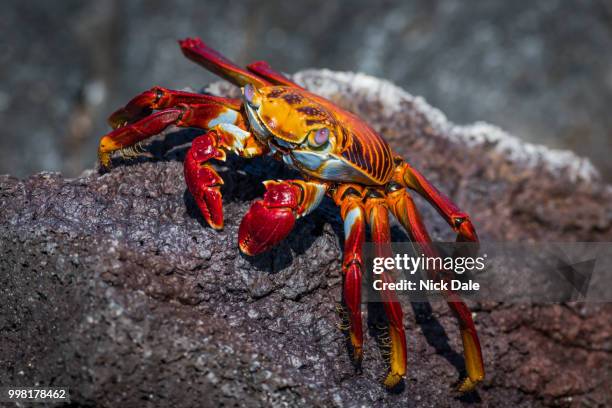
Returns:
(113,286)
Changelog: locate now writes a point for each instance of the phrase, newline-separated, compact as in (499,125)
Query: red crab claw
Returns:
(270,220)
(202,180)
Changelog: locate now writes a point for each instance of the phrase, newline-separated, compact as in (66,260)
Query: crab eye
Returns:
(249,94)
(319,138)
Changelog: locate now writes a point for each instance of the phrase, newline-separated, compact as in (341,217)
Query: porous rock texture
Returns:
(112,284)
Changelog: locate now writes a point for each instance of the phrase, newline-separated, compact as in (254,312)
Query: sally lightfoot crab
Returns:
(337,154)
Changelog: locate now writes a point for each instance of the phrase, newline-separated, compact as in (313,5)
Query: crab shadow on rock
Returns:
(434,333)
(436,337)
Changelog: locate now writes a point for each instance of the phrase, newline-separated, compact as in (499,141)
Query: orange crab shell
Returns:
(294,114)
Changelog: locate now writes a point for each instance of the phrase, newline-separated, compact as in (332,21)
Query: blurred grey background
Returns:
(540,69)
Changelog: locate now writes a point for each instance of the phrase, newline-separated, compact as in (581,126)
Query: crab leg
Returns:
(212,60)
(378,219)
(349,199)
(270,220)
(205,115)
(264,70)
(458,220)
(160,98)
(403,208)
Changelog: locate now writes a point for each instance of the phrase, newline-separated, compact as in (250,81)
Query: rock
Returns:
(113,286)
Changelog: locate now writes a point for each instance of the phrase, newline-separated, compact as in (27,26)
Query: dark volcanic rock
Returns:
(113,286)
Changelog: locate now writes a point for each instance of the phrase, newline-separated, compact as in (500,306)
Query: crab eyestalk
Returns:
(251,96)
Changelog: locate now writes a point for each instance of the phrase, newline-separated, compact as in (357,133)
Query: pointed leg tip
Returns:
(356,345)
(393,380)
(356,356)
(468,385)
(104,162)
(102,169)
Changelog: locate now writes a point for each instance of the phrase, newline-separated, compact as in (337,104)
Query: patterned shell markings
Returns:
(368,151)
(363,146)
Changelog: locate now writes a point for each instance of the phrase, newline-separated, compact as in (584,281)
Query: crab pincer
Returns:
(203,181)
(271,219)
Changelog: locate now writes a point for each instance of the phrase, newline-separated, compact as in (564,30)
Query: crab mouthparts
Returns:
(281,145)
